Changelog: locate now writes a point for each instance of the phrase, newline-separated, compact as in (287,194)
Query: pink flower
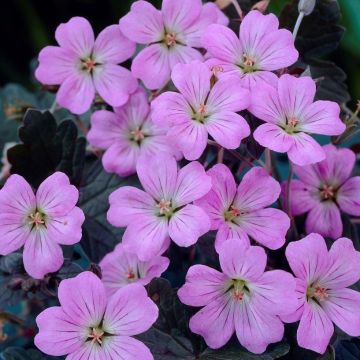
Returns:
(126,134)
(238,213)
(122,267)
(164,210)
(322,279)
(291,115)
(170,36)
(41,222)
(83,66)
(88,325)
(200,110)
(261,49)
(325,189)
(242,299)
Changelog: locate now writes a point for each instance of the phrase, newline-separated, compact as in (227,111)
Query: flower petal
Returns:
(114,83)
(128,203)
(228,231)
(348,196)
(111,46)
(324,218)
(183,55)
(227,128)
(143,23)
(42,255)
(188,224)
(76,35)
(301,199)
(129,311)
(203,285)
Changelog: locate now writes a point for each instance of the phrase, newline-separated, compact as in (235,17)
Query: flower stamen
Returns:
(88,64)
(137,135)
(232,213)
(164,207)
(96,336)
(327,192)
(36,219)
(170,39)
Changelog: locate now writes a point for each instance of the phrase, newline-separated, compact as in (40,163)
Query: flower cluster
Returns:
(174,118)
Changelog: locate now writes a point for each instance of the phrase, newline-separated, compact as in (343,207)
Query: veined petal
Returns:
(180,54)
(228,231)
(348,196)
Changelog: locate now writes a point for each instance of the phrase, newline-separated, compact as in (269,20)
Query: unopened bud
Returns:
(261,6)
(306,6)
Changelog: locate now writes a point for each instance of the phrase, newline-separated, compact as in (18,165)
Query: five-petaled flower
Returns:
(163,210)
(261,49)
(324,190)
(126,134)
(242,212)
(200,110)
(171,36)
(89,325)
(242,299)
(291,115)
(41,222)
(122,267)
(322,278)
(83,66)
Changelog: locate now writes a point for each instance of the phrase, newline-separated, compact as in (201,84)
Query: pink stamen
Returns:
(234,211)
(89,64)
(327,192)
(36,219)
(96,335)
(202,109)
(137,134)
(170,39)
(248,61)
(238,295)
(130,275)
(321,293)
(216,68)
(293,121)
(164,206)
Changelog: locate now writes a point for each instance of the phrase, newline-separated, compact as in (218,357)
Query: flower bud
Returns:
(306,6)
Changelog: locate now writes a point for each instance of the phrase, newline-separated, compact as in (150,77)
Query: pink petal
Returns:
(121,158)
(158,176)
(257,190)
(296,95)
(190,137)
(111,46)
(343,265)
(58,333)
(192,183)
(151,66)
(265,104)
(258,78)
(66,230)
(88,350)
(83,299)
(322,117)
(179,16)
(255,328)
(308,257)
(266,226)
(215,322)
(275,292)
(55,65)
(343,308)
(146,236)
(56,196)
(222,43)
(227,128)
(325,219)
(221,18)
(228,231)
(305,150)
(273,137)
(310,175)
(301,199)
(77,36)
(182,55)
(226,94)
(129,311)
(315,329)
(126,347)
(76,93)
(193,81)
(143,23)
(188,224)
(348,196)
(203,285)
(42,255)
(114,83)
(128,203)
(240,261)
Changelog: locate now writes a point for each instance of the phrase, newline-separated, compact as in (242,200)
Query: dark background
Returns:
(28,25)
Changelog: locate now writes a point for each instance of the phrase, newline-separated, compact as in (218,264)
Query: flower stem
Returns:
(237,8)
(268,162)
(53,107)
(298,23)
(288,192)
(220,156)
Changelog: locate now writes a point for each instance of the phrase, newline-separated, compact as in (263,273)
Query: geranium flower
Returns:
(170,35)
(238,213)
(89,325)
(122,267)
(324,190)
(291,115)
(200,110)
(41,222)
(322,278)
(261,49)
(83,66)
(126,134)
(242,299)
(163,210)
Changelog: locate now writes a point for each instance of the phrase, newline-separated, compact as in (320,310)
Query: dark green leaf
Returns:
(348,349)
(17,353)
